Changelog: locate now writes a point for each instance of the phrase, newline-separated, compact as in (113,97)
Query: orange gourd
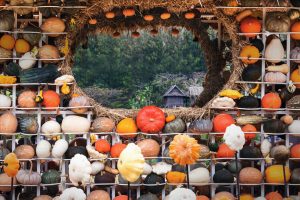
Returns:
(7,42)
(121,197)
(249,54)
(110,15)
(231,11)
(246,197)
(184,150)
(22,46)
(189,15)
(102,146)
(165,15)
(224,151)
(271,100)
(170,118)
(295,28)
(129,12)
(117,149)
(202,197)
(175,177)
(251,26)
(93,21)
(50,99)
(295,77)
(273,196)
(222,121)
(12,165)
(249,128)
(127,128)
(148,18)
(295,151)
(274,174)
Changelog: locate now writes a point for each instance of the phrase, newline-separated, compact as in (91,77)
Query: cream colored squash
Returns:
(181,194)
(75,124)
(43,149)
(80,170)
(199,175)
(97,167)
(274,52)
(5,101)
(59,149)
(28,177)
(72,193)
(50,128)
(294,127)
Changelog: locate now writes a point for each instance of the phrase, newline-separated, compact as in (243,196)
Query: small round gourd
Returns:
(154,179)
(43,149)
(294,127)
(103,124)
(59,149)
(79,101)
(274,174)
(27,99)
(28,125)
(75,124)
(149,147)
(98,194)
(199,175)
(27,177)
(277,22)
(51,127)
(5,101)
(8,123)
(53,25)
(275,77)
(24,152)
(175,177)
(175,126)
(250,175)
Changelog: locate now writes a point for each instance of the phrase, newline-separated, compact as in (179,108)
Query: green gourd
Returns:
(28,124)
(12,69)
(46,74)
(175,126)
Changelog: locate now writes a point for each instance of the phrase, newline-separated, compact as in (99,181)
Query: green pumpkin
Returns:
(154,179)
(51,176)
(231,166)
(3,152)
(223,176)
(28,125)
(175,126)
(251,73)
(248,102)
(148,196)
(12,69)
(250,152)
(200,126)
(32,38)
(166,154)
(72,151)
(274,126)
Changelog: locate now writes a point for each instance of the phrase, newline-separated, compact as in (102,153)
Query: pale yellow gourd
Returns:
(131,163)
(274,52)
(284,68)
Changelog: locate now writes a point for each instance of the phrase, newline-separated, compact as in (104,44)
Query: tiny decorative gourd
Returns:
(27,177)
(43,149)
(175,177)
(274,52)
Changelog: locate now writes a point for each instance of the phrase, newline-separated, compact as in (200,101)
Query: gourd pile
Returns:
(67,153)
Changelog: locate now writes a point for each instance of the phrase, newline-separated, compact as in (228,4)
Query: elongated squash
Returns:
(75,124)
(46,74)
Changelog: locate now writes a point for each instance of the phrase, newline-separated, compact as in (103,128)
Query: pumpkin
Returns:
(8,123)
(223,102)
(19,10)
(22,46)
(280,153)
(6,20)
(271,100)
(250,152)
(223,195)
(295,178)
(50,99)
(181,194)
(175,126)
(294,125)
(288,120)
(202,197)
(249,54)
(129,12)
(117,149)
(275,77)
(249,128)
(230,11)
(32,38)
(223,176)
(131,162)
(27,177)
(43,197)
(274,126)
(222,121)
(4,54)
(12,165)
(184,150)
(274,174)
(121,197)
(110,15)
(103,124)
(231,166)
(251,73)
(27,99)
(199,175)
(50,128)
(49,54)
(170,118)
(43,149)
(51,176)
(102,146)
(295,28)
(53,25)
(189,15)
(250,175)
(251,26)
(248,102)
(274,52)
(149,147)
(59,149)
(295,77)
(295,151)
(150,119)
(224,151)
(24,151)
(127,128)
(148,17)
(277,22)
(75,124)
(105,178)
(273,196)
(28,125)
(165,16)
(79,101)
(154,179)
(295,55)
(7,42)
(6,180)
(200,126)
(5,101)
(175,177)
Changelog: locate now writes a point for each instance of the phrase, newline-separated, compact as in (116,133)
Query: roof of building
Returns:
(174,91)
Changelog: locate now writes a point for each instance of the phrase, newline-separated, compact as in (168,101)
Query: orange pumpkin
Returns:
(273,196)
(148,18)
(12,165)
(249,128)
(249,54)
(251,26)
(189,15)
(110,15)
(202,197)
(224,151)
(102,146)
(27,99)
(7,42)
(295,151)
(165,15)
(22,46)
(50,99)
(295,28)
(271,100)
(295,77)
(246,197)
(150,119)
(121,197)
(222,121)
(93,21)
(175,177)
(129,12)
(231,11)
(170,118)
(117,149)
(274,174)
(127,128)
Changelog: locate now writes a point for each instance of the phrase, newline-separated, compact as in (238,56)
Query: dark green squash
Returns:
(148,196)
(231,166)
(219,166)
(154,179)
(251,73)
(28,124)
(3,152)
(223,176)
(258,44)
(45,74)
(200,126)
(295,178)
(250,152)
(248,102)
(274,126)
(32,38)
(7,20)
(285,95)
(49,177)
(175,126)
(12,69)
(72,151)
(105,177)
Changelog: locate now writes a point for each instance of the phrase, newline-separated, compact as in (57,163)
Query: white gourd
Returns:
(199,175)
(5,101)
(43,149)
(161,168)
(59,149)
(265,147)
(75,124)
(72,193)
(97,167)
(147,169)
(274,52)
(80,170)
(27,177)
(223,102)
(27,61)
(275,77)
(294,127)
(181,194)
(50,128)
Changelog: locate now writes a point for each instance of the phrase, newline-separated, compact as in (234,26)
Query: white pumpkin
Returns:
(295,54)
(50,128)
(275,77)
(5,101)
(43,149)
(274,51)
(199,175)
(80,170)
(72,194)
(75,124)
(161,168)
(147,169)
(59,149)
(97,167)
(294,127)
(223,102)
(28,177)
(181,194)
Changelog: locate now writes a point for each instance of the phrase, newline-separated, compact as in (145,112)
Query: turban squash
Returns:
(150,119)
